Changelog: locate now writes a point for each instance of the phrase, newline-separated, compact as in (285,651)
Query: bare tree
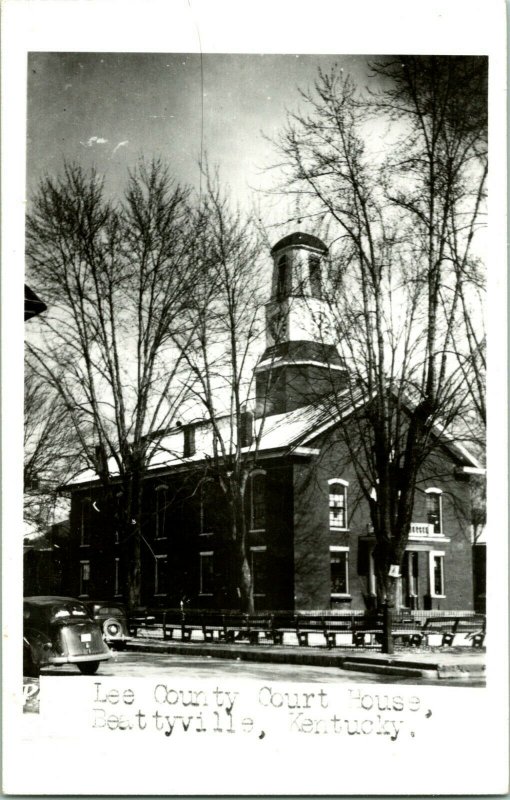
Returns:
(225,316)
(398,174)
(116,280)
(50,452)
(48,449)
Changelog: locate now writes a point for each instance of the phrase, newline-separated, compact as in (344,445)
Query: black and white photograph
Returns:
(256,502)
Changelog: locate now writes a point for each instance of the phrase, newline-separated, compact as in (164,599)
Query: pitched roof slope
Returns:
(280,432)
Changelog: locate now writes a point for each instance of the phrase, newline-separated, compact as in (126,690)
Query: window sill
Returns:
(341,596)
(339,530)
(160,594)
(437,596)
(205,594)
(257,530)
(84,545)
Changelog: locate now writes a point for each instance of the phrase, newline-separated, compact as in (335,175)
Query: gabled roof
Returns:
(301,426)
(281,434)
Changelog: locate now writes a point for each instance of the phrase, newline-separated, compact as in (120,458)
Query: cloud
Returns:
(94,140)
(120,144)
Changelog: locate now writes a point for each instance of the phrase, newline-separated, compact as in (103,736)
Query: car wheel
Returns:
(112,628)
(30,668)
(88,667)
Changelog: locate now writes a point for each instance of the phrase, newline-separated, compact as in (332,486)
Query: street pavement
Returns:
(431,663)
(140,663)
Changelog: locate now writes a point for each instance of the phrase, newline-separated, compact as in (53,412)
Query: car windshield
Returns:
(69,611)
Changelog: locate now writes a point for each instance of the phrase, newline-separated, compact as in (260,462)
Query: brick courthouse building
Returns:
(310,537)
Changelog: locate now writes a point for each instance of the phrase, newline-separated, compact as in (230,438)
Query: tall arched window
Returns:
(160,574)
(434,509)
(314,275)
(257,499)
(161,509)
(339,557)
(282,278)
(338,504)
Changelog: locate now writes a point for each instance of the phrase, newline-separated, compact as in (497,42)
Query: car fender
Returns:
(40,646)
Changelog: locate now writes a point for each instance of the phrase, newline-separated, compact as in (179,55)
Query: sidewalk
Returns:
(453,663)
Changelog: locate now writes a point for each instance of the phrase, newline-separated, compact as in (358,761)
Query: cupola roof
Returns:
(300,238)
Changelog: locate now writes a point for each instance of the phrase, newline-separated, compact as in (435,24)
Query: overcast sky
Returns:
(108,109)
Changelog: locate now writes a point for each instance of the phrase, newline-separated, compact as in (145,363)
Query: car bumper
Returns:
(79,659)
(113,639)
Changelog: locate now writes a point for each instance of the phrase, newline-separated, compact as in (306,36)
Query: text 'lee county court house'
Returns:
(310,539)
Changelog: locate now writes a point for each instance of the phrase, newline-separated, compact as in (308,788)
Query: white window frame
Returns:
(345,484)
(439,493)
(158,558)
(84,563)
(341,549)
(161,491)
(253,475)
(433,554)
(256,549)
(116,577)
(208,553)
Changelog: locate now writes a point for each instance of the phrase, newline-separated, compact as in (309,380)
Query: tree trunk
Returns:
(132,542)
(239,537)
(388,611)
(134,572)
(386,595)
(246,584)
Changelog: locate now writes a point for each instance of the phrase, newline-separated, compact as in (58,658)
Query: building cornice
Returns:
(284,362)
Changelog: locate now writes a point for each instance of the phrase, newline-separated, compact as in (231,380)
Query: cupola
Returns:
(300,362)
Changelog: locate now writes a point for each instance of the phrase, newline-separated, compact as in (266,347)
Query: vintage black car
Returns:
(112,618)
(59,630)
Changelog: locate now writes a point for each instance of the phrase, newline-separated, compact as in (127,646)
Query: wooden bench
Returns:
(141,619)
(172,622)
(203,621)
(472,627)
(282,622)
(334,624)
(367,631)
(305,625)
(250,627)
(326,624)
(260,625)
(213,626)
